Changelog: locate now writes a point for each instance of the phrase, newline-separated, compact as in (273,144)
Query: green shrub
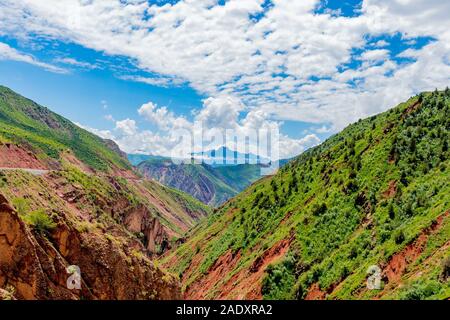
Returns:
(399,237)
(40,222)
(21,205)
(391,211)
(319,209)
(445,269)
(3,180)
(279,280)
(421,290)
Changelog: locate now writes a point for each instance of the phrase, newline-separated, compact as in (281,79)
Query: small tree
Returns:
(445,268)
(40,222)
(391,211)
(399,237)
(420,97)
(274,186)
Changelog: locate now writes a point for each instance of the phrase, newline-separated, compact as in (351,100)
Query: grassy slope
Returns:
(22,121)
(333,203)
(240,176)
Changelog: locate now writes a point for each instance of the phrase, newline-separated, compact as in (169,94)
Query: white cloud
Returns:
(155,81)
(220,112)
(8,53)
(109,118)
(207,123)
(289,64)
(323,129)
(381,43)
(105,134)
(126,127)
(162,117)
(76,63)
(291,147)
(375,55)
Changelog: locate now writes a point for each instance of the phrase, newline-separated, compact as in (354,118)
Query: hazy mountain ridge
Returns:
(210,182)
(211,185)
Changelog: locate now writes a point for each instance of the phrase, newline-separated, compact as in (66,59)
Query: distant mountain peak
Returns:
(226,156)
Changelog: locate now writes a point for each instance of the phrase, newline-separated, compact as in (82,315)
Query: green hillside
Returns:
(377,193)
(22,121)
(93,174)
(136,159)
(239,176)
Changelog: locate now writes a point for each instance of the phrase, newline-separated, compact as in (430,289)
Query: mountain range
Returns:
(225,156)
(212,181)
(212,185)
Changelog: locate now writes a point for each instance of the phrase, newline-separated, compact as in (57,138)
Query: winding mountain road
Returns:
(36,172)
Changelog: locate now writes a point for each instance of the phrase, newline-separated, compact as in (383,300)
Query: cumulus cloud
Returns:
(260,65)
(221,112)
(162,117)
(8,53)
(126,127)
(211,128)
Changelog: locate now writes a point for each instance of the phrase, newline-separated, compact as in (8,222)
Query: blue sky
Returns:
(80,95)
(137,71)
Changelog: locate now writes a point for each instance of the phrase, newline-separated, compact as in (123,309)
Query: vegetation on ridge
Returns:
(357,200)
(22,121)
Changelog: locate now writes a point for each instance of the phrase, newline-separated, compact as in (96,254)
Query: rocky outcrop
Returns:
(155,237)
(24,265)
(114,147)
(192,179)
(35,267)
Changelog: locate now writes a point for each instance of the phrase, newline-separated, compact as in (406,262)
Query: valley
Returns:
(375,194)
(68,198)
(211,185)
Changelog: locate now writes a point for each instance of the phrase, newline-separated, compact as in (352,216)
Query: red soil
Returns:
(13,156)
(411,109)
(314,293)
(398,263)
(246,284)
(391,190)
